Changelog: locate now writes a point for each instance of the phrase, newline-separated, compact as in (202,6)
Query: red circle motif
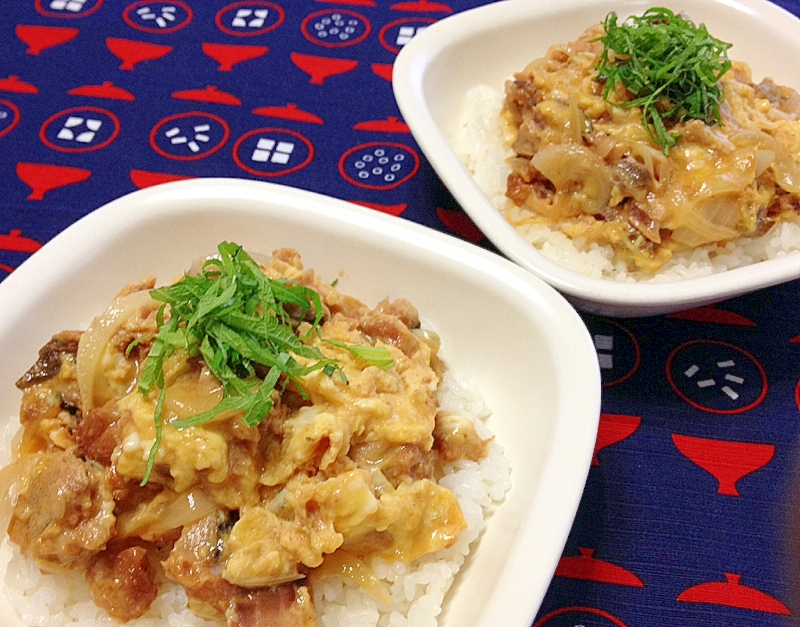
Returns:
(340,44)
(712,410)
(588,610)
(43,130)
(394,184)
(257,131)
(15,111)
(154,145)
(42,11)
(391,25)
(249,3)
(160,31)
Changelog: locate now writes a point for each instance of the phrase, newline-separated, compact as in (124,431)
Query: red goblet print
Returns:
(131,52)
(43,178)
(228,55)
(613,428)
(40,38)
(727,462)
(320,68)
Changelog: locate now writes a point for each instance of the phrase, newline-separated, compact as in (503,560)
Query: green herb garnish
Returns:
(243,324)
(373,355)
(671,67)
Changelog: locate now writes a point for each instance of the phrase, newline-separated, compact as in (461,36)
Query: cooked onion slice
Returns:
(346,565)
(574,169)
(167,511)
(785,168)
(186,509)
(764,159)
(787,174)
(97,336)
(713,220)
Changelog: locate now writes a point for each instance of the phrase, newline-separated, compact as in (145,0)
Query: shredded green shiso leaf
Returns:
(670,66)
(238,321)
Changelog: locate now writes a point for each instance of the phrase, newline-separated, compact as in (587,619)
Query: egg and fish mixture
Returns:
(609,166)
(180,478)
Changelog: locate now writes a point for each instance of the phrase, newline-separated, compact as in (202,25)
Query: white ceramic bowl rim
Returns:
(614,298)
(537,515)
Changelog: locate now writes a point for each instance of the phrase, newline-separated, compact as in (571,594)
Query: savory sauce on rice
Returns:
(344,476)
(581,166)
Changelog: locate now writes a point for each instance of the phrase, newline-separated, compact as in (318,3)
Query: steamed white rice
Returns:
(418,590)
(480,146)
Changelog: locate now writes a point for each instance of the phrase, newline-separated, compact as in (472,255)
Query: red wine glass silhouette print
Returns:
(727,462)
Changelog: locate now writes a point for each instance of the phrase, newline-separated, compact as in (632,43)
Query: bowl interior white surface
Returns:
(485,46)
(502,330)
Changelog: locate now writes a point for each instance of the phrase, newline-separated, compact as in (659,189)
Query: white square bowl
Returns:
(503,331)
(485,46)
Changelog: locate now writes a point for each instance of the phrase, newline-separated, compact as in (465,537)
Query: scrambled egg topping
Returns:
(347,466)
(591,169)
